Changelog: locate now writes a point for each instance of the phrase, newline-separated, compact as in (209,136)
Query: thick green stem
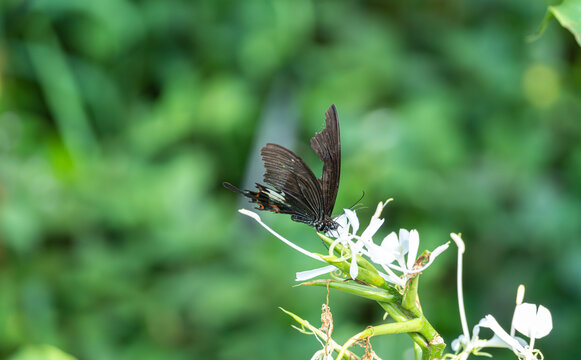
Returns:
(427,337)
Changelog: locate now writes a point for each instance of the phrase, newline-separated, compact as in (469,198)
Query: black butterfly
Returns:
(294,189)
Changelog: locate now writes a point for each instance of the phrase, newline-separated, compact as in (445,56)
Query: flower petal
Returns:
(544,322)
(433,255)
(531,323)
(309,274)
(403,237)
(256,217)
(390,242)
(392,279)
(353,220)
(457,342)
(372,228)
(524,318)
(379,254)
(490,322)
(414,244)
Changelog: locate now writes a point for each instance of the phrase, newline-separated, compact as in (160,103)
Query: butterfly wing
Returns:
(295,182)
(294,189)
(274,200)
(327,145)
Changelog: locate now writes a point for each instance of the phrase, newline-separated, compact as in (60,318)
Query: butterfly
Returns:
(293,188)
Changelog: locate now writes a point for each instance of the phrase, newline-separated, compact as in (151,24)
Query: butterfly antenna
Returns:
(357,205)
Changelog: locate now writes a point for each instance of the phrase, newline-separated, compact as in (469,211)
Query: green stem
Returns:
(368,292)
(398,315)
(385,329)
(410,297)
(417,352)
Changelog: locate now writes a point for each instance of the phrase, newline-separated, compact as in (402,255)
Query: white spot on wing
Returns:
(279,197)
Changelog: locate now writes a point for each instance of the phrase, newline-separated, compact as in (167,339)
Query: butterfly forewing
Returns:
(327,145)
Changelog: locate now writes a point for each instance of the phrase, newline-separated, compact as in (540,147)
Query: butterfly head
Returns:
(327,224)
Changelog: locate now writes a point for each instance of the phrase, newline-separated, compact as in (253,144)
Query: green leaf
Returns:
(568,13)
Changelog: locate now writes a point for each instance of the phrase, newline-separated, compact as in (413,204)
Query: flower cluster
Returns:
(396,253)
(529,320)
(397,261)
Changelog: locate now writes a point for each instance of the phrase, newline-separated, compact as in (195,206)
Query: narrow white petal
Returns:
(433,255)
(309,274)
(490,322)
(414,244)
(353,220)
(497,342)
(256,217)
(392,279)
(403,237)
(437,251)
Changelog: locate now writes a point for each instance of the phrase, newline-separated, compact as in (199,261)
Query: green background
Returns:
(119,121)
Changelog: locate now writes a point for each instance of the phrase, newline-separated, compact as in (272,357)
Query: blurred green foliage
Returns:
(119,120)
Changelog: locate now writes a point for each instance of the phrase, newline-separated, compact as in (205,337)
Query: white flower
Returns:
(526,319)
(502,339)
(394,247)
(391,249)
(346,235)
(531,322)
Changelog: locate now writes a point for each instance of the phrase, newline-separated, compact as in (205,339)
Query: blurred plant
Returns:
(41,352)
(398,294)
